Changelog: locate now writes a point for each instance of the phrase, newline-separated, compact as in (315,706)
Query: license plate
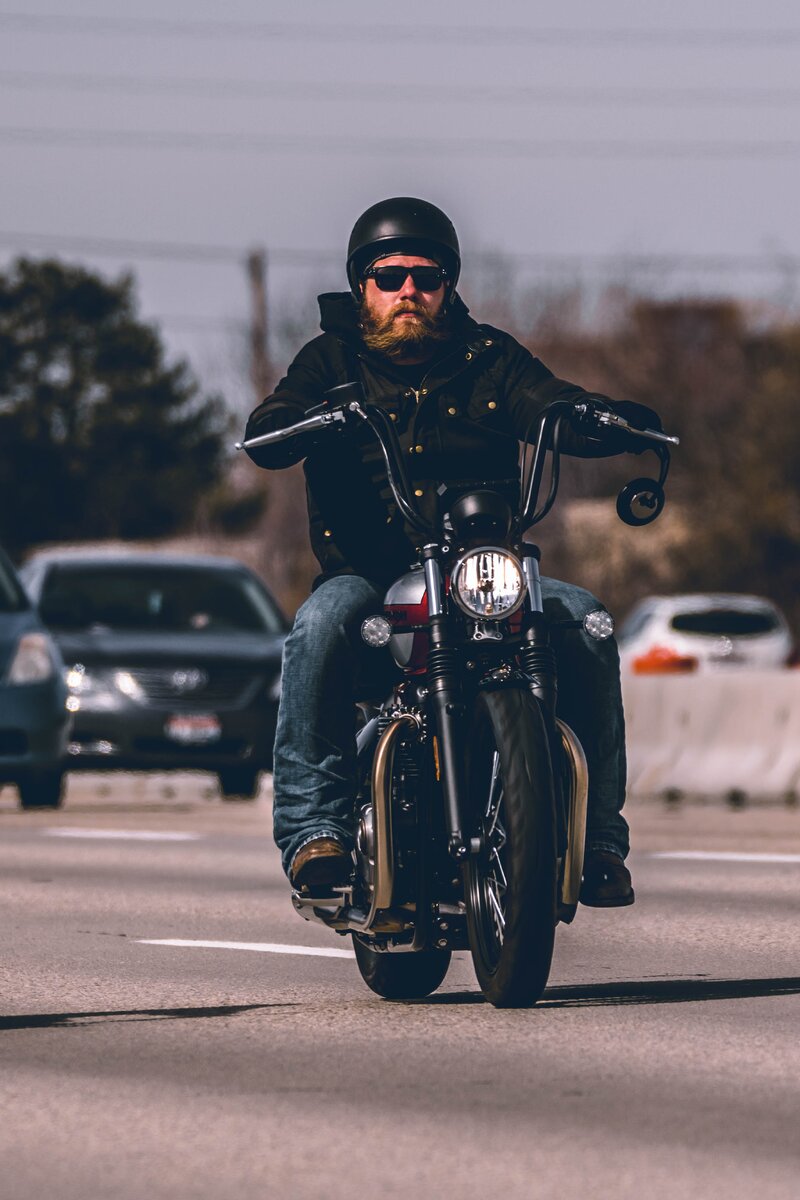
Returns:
(191,729)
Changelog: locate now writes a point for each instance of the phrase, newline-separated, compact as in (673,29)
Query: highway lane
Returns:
(663,1060)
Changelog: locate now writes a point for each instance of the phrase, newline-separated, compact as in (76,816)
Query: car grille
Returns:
(194,687)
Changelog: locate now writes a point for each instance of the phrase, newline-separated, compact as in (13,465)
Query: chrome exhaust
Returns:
(336,911)
(576,817)
(382,770)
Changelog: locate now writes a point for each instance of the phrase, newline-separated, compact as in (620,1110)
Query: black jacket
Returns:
(462,424)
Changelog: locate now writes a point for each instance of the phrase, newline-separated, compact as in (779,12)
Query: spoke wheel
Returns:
(510,886)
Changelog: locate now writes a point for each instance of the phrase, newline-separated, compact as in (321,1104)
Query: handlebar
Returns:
(604,417)
(309,425)
(547,439)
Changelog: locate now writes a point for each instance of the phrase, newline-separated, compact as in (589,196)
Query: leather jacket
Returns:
(462,424)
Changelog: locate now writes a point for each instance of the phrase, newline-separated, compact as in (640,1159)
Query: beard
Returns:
(413,337)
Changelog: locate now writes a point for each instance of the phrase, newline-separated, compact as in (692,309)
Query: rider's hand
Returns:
(638,414)
(618,441)
(269,417)
(641,417)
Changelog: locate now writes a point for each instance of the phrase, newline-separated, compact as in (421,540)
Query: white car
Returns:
(704,632)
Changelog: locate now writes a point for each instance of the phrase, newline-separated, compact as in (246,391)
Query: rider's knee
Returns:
(565,601)
(325,616)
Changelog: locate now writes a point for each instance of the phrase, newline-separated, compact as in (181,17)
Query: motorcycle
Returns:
(471,793)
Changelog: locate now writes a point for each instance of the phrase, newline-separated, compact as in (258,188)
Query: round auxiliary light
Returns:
(488,584)
(599,624)
(376,631)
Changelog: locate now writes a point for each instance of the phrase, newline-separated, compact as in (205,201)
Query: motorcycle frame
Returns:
(444,699)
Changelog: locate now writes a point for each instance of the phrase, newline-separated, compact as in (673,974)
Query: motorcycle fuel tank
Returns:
(406,608)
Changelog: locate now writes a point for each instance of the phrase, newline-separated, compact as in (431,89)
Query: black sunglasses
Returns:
(391,279)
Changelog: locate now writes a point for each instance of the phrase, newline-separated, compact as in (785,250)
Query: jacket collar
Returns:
(339,316)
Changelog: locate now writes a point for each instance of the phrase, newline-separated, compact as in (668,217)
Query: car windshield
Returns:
(168,599)
(725,622)
(12,598)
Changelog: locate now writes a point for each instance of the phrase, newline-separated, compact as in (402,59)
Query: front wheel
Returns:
(404,976)
(510,885)
(41,789)
(238,783)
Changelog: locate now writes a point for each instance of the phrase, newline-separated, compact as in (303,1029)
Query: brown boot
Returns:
(322,862)
(606,881)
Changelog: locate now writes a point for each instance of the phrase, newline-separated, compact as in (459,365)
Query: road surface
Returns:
(139,1061)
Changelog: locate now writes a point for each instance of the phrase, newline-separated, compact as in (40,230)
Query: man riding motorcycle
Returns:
(463,396)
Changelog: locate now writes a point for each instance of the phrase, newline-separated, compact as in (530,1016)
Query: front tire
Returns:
(510,886)
(238,783)
(41,789)
(404,976)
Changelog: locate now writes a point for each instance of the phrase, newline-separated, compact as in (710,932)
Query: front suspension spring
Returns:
(538,661)
(442,664)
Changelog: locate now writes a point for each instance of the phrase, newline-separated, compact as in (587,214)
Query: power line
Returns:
(123,247)
(419,94)
(224,326)
(451,35)
(158,250)
(495,148)
(304,256)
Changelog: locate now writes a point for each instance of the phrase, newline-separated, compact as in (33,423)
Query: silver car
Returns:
(704,632)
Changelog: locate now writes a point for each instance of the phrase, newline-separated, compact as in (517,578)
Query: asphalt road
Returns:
(663,1061)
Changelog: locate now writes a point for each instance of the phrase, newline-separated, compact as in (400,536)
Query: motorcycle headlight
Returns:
(488,584)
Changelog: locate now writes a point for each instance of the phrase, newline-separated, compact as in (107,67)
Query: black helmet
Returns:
(403,225)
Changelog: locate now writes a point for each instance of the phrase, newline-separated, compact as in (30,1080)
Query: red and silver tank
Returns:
(406,606)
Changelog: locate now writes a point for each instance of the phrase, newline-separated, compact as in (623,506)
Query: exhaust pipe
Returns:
(382,769)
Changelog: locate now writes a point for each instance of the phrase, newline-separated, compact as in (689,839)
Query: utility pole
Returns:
(288,563)
(259,358)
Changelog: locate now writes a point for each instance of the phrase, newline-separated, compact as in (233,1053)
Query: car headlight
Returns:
(129,685)
(488,584)
(33,661)
(92,691)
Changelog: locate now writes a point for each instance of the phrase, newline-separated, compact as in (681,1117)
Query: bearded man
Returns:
(463,396)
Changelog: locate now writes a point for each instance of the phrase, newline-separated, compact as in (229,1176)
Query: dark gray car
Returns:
(173,661)
(34,721)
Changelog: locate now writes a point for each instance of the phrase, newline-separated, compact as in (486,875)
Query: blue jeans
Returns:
(324,656)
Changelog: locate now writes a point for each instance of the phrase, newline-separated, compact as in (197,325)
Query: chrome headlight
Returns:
(488,584)
(599,624)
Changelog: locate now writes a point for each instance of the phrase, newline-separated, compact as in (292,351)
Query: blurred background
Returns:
(179,182)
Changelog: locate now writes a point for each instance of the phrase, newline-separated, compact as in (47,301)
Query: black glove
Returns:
(637,414)
(269,417)
(610,440)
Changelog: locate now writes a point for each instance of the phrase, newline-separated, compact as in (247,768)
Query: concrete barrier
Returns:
(713,734)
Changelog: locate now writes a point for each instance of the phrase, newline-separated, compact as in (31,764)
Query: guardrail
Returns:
(731,733)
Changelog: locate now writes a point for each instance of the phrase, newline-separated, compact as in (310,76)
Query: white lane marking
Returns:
(134,835)
(727,856)
(259,947)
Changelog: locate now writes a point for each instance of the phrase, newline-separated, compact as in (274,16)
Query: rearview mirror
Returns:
(640,502)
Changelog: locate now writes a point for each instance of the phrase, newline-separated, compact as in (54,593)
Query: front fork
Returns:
(538,661)
(537,656)
(539,664)
(448,706)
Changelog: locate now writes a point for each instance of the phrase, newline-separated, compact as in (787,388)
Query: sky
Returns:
(170,138)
